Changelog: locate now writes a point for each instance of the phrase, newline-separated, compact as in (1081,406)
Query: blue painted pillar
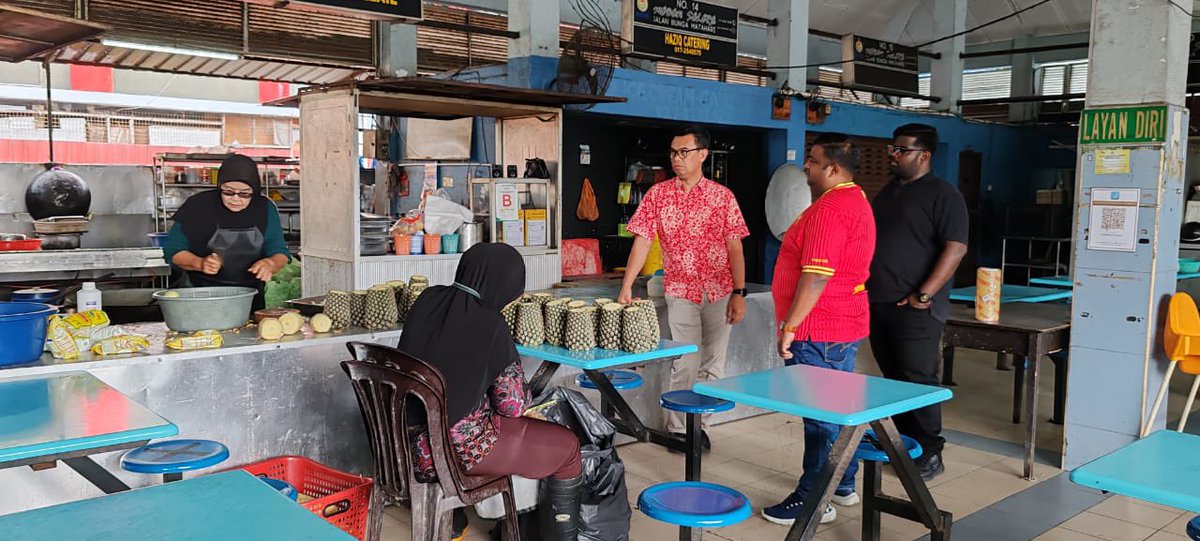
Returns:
(1133,138)
(533,56)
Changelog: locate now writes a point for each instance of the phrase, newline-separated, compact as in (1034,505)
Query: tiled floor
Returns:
(982,486)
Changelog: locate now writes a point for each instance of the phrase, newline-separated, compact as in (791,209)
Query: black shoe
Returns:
(704,441)
(930,465)
(559,508)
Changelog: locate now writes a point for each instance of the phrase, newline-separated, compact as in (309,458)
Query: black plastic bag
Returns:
(605,512)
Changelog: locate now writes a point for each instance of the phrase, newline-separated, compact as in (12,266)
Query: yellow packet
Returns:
(119,345)
(62,343)
(87,319)
(199,340)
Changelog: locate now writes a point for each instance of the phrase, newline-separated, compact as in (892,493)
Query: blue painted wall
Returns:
(1010,154)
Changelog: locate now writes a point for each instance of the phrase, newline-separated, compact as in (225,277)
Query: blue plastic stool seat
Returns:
(868,450)
(1193,529)
(622,380)
(694,504)
(691,402)
(283,487)
(174,456)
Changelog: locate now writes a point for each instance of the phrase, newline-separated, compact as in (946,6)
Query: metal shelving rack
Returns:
(289,210)
(1045,256)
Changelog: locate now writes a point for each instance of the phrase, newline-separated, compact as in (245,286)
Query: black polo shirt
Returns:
(914,222)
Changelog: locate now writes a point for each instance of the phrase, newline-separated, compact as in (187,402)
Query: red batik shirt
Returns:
(834,237)
(693,229)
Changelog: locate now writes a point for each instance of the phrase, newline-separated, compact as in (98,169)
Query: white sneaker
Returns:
(785,512)
(848,500)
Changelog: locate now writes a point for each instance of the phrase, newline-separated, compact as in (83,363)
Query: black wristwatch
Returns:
(743,292)
(923,298)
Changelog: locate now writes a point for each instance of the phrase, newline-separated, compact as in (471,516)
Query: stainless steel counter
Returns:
(82,264)
(261,399)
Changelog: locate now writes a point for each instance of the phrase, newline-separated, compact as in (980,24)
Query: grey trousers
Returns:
(706,326)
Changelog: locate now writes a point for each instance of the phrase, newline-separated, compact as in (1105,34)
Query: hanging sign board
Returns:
(686,30)
(372,9)
(1112,223)
(878,64)
(1146,124)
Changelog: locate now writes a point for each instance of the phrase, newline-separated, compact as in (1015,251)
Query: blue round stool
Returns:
(871,451)
(693,504)
(171,458)
(283,487)
(622,380)
(1193,529)
(694,405)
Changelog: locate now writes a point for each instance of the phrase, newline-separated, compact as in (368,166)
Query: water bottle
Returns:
(88,298)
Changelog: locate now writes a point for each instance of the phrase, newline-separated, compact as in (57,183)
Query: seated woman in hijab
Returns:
(459,330)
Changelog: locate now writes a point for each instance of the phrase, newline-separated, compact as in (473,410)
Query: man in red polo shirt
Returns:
(821,300)
(700,226)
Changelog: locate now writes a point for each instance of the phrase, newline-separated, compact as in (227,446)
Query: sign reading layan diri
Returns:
(1124,125)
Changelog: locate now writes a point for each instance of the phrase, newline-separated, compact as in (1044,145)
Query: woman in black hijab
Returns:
(459,330)
(229,236)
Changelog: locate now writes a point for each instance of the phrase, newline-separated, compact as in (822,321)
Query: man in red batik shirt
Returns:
(821,299)
(700,226)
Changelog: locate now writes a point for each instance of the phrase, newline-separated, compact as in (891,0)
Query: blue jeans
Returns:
(819,436)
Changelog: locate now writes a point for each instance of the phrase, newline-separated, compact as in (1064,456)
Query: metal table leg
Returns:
(948,366)
(1032,377)
(541,378)
(692,469)
(96,475)
(919,507)
(626,420)
(840,456)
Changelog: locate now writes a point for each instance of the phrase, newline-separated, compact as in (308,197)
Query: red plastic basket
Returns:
(342,499)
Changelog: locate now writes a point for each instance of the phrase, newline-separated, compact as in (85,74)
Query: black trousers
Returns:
(907,345)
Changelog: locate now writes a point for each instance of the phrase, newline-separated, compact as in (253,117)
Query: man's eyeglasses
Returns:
(683,153)
(233,193)
(894,149)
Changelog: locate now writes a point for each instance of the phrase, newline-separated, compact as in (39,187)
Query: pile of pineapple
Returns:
(574,324)
(381,307)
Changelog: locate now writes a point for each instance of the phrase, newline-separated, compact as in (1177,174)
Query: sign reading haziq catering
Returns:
(686,30)
(375,9)
(880,65)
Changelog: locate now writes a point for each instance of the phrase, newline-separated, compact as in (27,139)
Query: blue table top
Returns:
(824,394)
(230,505)
(1014,293)
(599,359)
(1162,468)
(1065,281)
(51,415)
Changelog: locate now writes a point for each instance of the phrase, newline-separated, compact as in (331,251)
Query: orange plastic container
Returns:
(342,499)
(433,244)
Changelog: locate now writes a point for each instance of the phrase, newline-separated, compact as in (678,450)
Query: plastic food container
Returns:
(23,331)
(206,308)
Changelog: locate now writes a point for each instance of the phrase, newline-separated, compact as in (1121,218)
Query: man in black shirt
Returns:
(922,235)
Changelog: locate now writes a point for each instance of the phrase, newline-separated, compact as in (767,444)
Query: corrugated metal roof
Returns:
(26,33)
(255,68)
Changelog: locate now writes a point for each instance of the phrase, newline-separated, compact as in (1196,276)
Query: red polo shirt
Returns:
(834,237)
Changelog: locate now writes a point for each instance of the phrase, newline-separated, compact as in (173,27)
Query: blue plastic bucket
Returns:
(450,243)
(23,331)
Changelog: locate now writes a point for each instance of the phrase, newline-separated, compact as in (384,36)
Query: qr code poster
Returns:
(1113,220)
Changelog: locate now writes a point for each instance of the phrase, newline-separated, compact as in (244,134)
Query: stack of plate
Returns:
(374,234)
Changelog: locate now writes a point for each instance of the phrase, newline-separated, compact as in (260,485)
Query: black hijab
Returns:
(204,213)
(459,329)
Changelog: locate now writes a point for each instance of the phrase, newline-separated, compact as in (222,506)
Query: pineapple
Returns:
(358,307)
(381,310)
(541,298)
(411,295)
(510,315)
(636,336)
(418,279)
(556,315)
(652,317)
(399,291)
(579,333)
(608,332)
(576,304)
(530,326)
(337,307)
(599,303)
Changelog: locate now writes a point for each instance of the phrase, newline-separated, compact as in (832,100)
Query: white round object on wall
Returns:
(788,195)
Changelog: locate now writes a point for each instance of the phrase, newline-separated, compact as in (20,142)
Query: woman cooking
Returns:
(229,236)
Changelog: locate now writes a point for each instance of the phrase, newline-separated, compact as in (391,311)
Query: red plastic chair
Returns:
(399,395)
